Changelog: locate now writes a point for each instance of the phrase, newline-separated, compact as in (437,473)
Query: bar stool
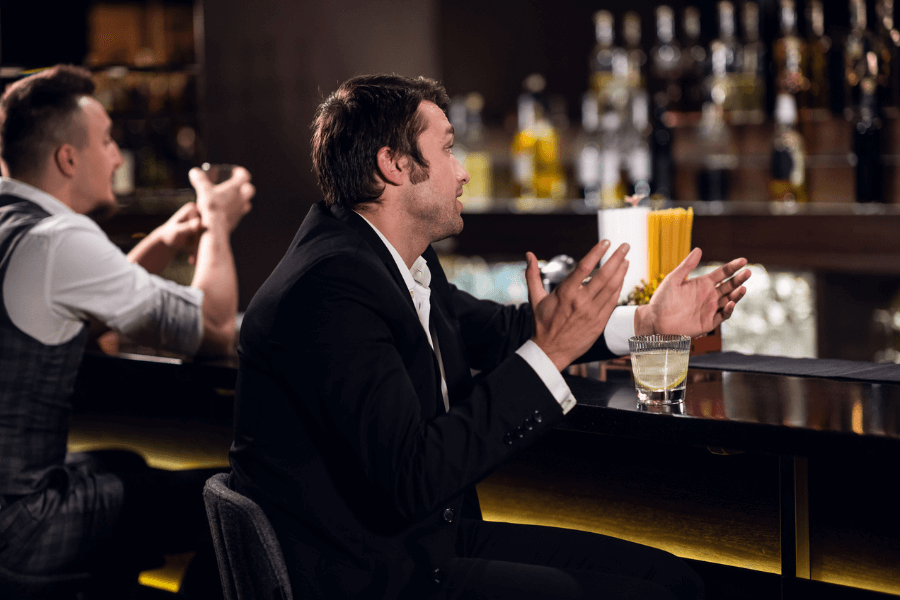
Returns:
(251,564)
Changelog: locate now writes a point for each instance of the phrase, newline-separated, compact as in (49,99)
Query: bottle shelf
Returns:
(844,238)
(829,163)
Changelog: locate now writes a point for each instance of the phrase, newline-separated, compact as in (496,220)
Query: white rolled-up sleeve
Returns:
(92,279)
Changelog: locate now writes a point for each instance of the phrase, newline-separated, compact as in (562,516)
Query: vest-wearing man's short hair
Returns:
(40,112)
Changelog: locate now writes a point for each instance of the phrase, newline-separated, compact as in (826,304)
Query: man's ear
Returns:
(391,166)
(65,159)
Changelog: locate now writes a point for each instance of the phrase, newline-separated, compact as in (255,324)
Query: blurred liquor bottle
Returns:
(788,182)
(538,177)
(612,186)
(754,62)
(718,153)
(790,54)
(468,147)
(636,58)
(635,146)
(889,49)
(666,63)
(725,61)
(868,142)
(818,46)
(635,122)
(608,65)
(588,165)
(861,59)
(662,164)
(666,97)
(695,63)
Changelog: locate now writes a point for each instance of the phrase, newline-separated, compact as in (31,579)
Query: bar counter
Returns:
(753,412)
(852,249)
(791,475)
(783,481)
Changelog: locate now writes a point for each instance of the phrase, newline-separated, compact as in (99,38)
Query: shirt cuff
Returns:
(546,370)
(619,328)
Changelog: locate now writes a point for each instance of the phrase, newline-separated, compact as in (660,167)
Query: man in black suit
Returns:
(360,428)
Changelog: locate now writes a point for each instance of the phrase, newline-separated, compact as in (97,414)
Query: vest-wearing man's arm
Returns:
(221,208)
(180,233)
(71,273)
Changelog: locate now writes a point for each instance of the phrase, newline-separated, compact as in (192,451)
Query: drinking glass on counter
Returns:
(217,173)
(659,364)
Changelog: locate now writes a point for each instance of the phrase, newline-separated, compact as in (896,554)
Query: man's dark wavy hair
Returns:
(362,116)
(36,114)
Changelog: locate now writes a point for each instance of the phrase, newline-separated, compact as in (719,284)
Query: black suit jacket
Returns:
(340,429)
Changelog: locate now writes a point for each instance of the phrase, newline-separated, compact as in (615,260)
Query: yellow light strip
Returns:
(168,577)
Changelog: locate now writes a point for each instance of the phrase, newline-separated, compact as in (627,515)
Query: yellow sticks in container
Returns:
(668,240)
(666,234)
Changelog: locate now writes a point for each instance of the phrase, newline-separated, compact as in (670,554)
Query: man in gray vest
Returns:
(61,276)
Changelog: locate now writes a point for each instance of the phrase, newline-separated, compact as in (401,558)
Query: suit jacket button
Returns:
(538,417)
(448,515)
(528,424)
(436,575)
(508,439)
(520,433)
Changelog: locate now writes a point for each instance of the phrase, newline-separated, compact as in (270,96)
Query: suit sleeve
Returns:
(495,331)
(346,346)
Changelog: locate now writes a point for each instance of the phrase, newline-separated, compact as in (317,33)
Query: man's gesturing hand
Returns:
(693,306)
(569,320)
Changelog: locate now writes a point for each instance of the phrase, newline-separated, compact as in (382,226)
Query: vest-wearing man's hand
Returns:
(226,203)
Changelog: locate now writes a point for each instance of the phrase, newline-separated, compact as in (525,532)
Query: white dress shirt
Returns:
(619,328)
(417,280)
(67,271)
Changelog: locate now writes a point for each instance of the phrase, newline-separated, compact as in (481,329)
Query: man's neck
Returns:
(58,190)
(394,228)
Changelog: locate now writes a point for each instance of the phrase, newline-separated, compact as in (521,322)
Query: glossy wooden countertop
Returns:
(772,414)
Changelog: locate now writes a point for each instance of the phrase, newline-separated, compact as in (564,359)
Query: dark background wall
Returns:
(267,67)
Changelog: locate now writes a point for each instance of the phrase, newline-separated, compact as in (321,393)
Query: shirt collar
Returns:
(28,192)
(420,266)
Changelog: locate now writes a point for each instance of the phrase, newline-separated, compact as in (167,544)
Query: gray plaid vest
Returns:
(36,380)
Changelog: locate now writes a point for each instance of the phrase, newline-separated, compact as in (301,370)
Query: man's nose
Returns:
(464,175)
(119,160)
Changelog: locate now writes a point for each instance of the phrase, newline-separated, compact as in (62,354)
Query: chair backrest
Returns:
(251,564)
